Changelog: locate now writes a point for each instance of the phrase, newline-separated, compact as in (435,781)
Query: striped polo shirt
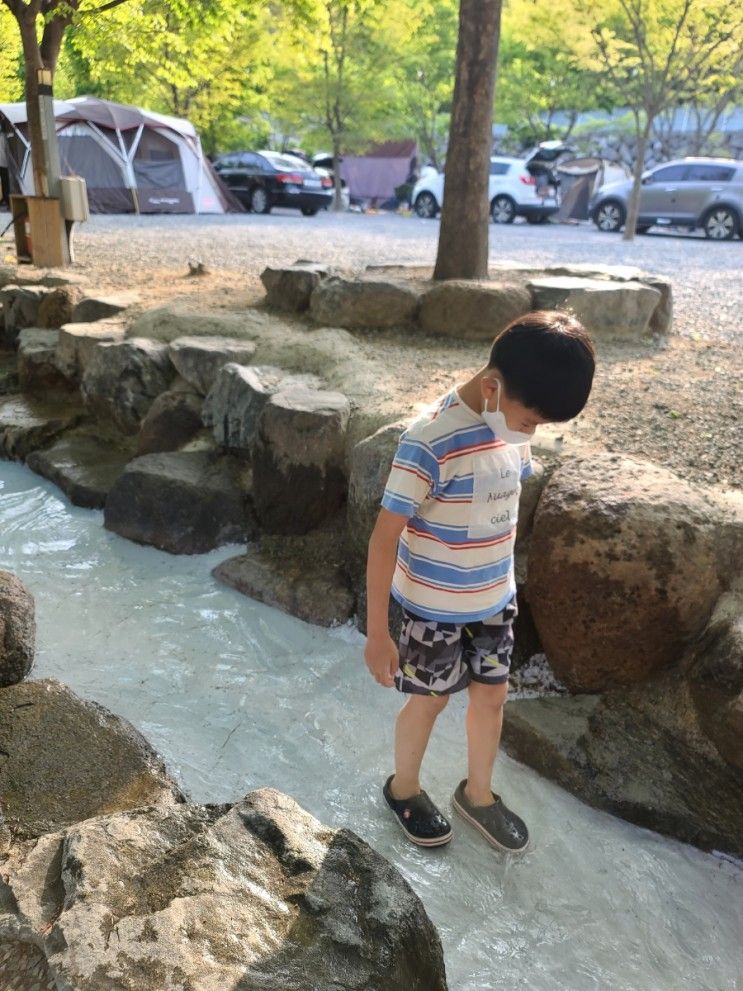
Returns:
(459,486)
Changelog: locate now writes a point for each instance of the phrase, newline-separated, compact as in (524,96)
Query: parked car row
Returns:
(692,193)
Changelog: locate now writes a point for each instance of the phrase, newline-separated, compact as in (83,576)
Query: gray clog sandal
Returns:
(500,827)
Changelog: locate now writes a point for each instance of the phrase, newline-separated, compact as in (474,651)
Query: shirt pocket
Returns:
(496,488)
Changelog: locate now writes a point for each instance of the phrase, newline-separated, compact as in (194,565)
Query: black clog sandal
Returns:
(419,818)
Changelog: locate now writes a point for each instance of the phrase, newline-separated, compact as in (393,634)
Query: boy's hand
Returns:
(382,659)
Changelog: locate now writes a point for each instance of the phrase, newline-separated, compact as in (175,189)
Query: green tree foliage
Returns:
(542,71)
(41,26)
(341,74)
(657,54)
(334,79)
(425,73)
(208,61)
(11,77)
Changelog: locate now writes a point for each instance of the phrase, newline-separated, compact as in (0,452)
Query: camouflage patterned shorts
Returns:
(443,658)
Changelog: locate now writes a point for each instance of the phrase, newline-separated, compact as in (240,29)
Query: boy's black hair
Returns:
(547,362)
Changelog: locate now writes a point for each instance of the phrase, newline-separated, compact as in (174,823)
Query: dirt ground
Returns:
(677,402)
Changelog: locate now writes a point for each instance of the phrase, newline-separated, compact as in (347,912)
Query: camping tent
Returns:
(579,179)
(132,160)
(375,175)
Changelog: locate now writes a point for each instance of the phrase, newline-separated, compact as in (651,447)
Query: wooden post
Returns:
(50,241)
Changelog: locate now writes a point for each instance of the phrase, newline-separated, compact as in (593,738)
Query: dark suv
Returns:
(264,179)
(691,192)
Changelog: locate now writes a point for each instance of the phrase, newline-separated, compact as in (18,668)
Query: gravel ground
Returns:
(706,275)
(678,403)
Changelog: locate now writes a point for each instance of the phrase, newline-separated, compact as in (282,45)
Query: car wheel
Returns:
(503,210)
(309,211)
(259,202)
(721,224)
(426,206)
(609,216)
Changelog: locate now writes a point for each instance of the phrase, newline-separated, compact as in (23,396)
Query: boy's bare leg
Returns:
(484,722)
(412,730)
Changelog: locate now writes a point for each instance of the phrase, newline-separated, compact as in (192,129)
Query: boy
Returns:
(443,545)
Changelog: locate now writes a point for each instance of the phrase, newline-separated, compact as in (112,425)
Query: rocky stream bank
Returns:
(274,425)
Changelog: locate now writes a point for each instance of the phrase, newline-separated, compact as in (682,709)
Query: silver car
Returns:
(690,192)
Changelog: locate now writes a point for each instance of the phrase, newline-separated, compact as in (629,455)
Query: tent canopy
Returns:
(376,174)
(132,159)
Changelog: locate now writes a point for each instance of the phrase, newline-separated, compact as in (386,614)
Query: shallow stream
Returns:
(236,695)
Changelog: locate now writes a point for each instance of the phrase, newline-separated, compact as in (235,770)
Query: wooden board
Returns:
(47,239)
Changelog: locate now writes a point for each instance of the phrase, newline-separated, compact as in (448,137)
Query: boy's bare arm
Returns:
(381,652)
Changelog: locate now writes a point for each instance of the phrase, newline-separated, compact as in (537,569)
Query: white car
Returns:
(513,191)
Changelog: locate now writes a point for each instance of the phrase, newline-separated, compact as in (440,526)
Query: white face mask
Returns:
(497,423)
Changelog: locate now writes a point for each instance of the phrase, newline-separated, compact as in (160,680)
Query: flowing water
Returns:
(236,695)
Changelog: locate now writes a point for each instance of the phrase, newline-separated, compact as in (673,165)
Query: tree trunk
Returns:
(37,55)
(463,237)
(32,63)
(338,206)
(633,207)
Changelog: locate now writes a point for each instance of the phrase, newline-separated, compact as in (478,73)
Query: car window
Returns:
(499,168)
(710,173)
(296,162)
(227,162)
(284,163)
(671,173)
(248,160)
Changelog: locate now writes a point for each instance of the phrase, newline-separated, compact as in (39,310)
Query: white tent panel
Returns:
(131,159)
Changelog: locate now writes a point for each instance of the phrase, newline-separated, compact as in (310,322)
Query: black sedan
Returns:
(264,179)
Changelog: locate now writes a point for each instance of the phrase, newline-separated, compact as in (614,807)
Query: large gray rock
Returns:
(304,577)
(93,308)
(258,896)
(78,343)
(371,460)
(638,753)
(237,398)
(474,311)
(290,288)
(531,490)
(17,630)
(625,567)
(84,463)
(714,665)
(199,360)
(607,309)
(173,419)
(8,373)
(182,502)
(298,478)
(339,302)
(661,321)
(20,309)
(37,365)
(57,306)
(716,657)
(27,424)
(63,759)
(122,380)
(26,275)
